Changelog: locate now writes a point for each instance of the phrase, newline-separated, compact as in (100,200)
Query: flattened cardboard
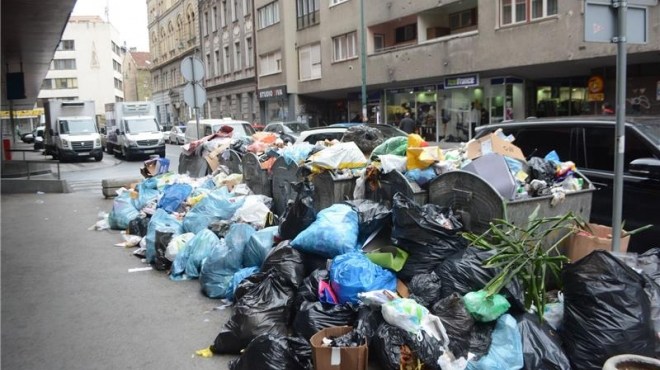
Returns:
(493,144)
(579,245)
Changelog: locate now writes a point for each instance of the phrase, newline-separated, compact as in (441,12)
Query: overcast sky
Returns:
(128,16)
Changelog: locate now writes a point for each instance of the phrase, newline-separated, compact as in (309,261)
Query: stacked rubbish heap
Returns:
(399,273)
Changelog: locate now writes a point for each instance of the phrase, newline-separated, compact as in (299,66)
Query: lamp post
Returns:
(363,60)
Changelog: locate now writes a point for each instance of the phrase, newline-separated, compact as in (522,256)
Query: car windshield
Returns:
(182,129)
(389,131)
(77,126)
(652,130)
(295,127)
(240,129)
(141,125)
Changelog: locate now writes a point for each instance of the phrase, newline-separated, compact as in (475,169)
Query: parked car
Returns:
(288,131)
(177,135)
(336,132)
(212,125)
(589,142)
(38,135)
(258,126)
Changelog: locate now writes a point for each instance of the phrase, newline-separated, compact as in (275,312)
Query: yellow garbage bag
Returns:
(421,158)
(206,352)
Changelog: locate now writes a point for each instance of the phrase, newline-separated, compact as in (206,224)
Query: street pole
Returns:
(201,57)
(620,137)
(363,60)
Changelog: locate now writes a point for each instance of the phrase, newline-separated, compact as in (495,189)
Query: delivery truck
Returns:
(71,131)
(132,130)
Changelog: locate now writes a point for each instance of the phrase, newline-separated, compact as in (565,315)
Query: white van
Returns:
(212,125)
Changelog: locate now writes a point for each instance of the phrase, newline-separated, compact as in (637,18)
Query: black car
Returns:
(589,142)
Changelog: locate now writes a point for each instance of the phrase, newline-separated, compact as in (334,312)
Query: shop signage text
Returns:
(462,81)
(272,93)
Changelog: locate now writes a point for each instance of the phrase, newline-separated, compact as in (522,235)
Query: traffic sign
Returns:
(192,69)
(194,95)
(600,22)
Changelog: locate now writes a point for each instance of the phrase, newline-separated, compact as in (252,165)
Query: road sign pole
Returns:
(620,137)
(195,105)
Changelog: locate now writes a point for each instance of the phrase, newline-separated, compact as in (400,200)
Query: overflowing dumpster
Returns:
(256,178)
(284,174)
(232,160)
(332,187)
(395,182)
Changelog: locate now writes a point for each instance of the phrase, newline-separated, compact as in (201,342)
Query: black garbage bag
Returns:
(426,286)
(541,345)
(287,262)
(649,263)
(387,346)
(457,322)
(480,338)
(421,231)
(366,138)
(162,240)
(372,217)
(314,316)
(427,349)
(420,300)
(263,308)
(367,322)
(606,311)
(270,352)
(541,169)
(138,226)
(300,214)
(309,289)
(463,273)
(312,262)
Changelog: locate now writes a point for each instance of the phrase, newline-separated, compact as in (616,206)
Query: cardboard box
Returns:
(493,143)
(581,244)
(338,358)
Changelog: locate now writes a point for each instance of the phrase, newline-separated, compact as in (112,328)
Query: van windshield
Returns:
(134,126)
(77,126)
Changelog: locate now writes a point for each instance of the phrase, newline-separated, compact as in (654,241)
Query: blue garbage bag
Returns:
(218,271)
(236,238)
(334,232)
(421,176)
(238,277)
(173,196)
(505,352)
(163,222)
(354,273)
(258,246)
(217,205)
(147,193)
(297,153)
(123,212)
(188,262)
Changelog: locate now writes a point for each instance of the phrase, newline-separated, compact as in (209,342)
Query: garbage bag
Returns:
(541,346)
(386,346)
(426,286)
(354,273)
(177,244)
(314,316)
(395,145)
(312,262)
(396,349)
(264,308)
(649,263)
(161,263)
(270,352)
(366,138)
(147,193)
(123,212)
(421,176)
(334,232)
(188,263)
(254,211)
(258,246)
(239,276)
(485,308)
(339,156)
(540,169)
(606,311)
(300,214)
(309,289)
(457,321)
(428,233)
(163,222)
(505,352)
(287,262)
(217,205)
(138,226)
(237,238)
(463,273)
(372,217)
(173,196)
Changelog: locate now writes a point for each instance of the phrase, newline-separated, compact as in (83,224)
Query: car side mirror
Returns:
(645,167)
(117,131)
(103,130)
(51,132)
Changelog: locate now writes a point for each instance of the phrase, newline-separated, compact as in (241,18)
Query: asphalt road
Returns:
(69,300)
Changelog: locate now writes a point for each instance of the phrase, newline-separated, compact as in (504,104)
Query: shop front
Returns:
(274,104)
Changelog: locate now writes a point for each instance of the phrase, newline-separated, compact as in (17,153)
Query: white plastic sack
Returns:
(339,156)
(175,245)
(252,212)
(360,186)
(391,162)
(411,316)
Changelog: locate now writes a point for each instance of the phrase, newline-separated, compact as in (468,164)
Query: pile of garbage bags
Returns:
(399,273)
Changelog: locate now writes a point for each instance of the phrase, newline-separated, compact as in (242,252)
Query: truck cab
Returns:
(132,130)
(71,130)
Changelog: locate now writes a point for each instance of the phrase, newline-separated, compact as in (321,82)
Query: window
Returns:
(379,41)
(223,13)
(465,18)
(214,15)
(227,67)
(515,11)
(308,13)
(237,55)
(66,83)
(344,46)
(60,64)
(234,11)
(118,84)
(206,23)
(249,51)
(246,7)
(268,15)
(406,33)
(116,66)
(65,45)
(208,62)
(217,63)
(47,84)
(335,2)
(309,61)
(116,49)
(270,63)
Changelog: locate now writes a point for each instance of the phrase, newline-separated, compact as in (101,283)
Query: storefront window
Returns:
(420,102)
(556,100)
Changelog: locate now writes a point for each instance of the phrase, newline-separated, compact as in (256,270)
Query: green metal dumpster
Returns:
(232,160)
(257,179)
(396,182)
(284,174)
(332,187)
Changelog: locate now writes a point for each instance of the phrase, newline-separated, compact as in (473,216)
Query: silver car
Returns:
(177,135)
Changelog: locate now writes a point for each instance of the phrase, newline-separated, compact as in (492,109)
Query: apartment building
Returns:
(443,61)
(229,49)
(137,75)
(87,64)
(173,35)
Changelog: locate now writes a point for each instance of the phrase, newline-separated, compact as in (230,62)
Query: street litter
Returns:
(390,252)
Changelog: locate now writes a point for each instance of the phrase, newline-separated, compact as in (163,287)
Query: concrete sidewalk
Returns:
(69,302)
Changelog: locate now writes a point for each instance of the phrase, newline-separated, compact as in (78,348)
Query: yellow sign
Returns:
(595,97)
(596,85)
(23,113)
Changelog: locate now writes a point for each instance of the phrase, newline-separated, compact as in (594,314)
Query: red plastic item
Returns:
(6,149)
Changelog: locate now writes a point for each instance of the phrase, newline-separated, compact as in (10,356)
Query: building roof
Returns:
(142,59)
(86,18)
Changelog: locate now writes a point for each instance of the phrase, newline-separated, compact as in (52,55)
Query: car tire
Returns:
(98,157)
(125,154)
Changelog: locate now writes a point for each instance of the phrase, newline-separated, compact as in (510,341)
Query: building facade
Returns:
(449,64)
(87,64)
(137,75)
